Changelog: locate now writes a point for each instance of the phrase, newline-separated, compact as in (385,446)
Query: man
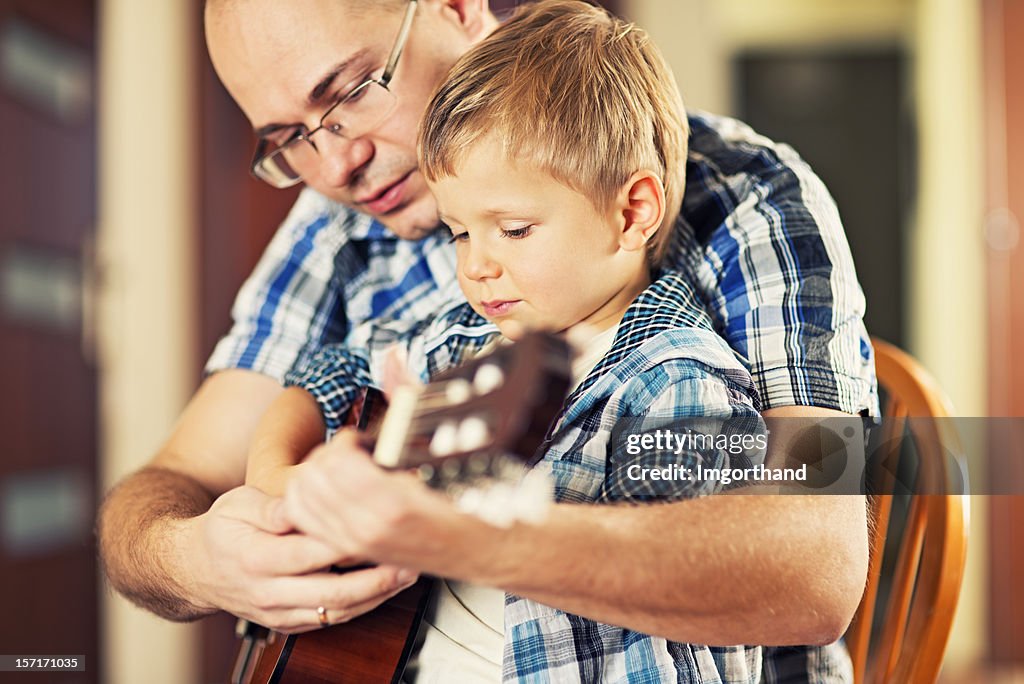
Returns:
(181,538)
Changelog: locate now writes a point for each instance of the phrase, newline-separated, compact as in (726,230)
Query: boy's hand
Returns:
(345,500)
(272,480)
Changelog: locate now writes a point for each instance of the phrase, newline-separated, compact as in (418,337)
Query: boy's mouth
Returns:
(498,307)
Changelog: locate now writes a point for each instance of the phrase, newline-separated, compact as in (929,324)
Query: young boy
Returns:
(556,151)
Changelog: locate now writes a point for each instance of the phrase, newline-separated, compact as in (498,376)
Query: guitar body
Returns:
(371,648)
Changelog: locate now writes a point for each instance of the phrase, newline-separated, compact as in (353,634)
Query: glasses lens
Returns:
(280,168)
(358,114)
(361,111)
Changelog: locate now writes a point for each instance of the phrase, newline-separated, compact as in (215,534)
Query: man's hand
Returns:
(170,547)
(342,498)
(247,562)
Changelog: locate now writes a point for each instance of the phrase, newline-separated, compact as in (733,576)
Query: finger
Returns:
(293,554)
(320,515)
(306,619)
(276,517)
(344,596)
(254,507)
(321,496)
(396,370)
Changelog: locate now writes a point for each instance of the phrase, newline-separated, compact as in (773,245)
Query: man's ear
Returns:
(473,16)
(642,206)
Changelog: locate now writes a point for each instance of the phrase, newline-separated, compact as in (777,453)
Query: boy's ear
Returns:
(474,16)
(642,206)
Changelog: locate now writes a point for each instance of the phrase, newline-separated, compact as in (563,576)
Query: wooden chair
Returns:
(913,618)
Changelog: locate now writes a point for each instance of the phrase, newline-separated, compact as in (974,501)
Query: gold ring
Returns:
(321,615)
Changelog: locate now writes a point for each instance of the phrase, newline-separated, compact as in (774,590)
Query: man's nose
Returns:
(478,263)
(341,158)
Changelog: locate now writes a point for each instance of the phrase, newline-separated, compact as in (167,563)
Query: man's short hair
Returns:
(582,94)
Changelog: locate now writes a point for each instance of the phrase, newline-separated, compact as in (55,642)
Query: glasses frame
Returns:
(336,128)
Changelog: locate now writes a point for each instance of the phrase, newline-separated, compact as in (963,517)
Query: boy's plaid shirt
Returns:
(666,364)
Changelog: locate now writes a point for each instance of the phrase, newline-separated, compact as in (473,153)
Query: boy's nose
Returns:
(341,158)
(478,265)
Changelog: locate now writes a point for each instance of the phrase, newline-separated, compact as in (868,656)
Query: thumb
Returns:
(395,371)
(251,506)
(272,517)
(261,511)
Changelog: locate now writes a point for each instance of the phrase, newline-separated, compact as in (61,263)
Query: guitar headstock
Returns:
(475,430)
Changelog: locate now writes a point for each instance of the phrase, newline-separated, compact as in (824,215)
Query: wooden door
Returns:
(1004,86)
(48,413)
(842,111)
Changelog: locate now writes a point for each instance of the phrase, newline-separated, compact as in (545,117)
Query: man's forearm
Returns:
(771,570)
(138,526)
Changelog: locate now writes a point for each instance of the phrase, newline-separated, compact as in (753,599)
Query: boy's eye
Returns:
(458,237)
(516,233)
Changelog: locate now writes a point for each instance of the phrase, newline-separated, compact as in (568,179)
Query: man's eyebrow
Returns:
(325,83)
(318,91)
(264,131)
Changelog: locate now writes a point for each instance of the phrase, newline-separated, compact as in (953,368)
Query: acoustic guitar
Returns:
(473,433)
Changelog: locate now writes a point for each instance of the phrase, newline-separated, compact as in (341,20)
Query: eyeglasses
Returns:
(354,114)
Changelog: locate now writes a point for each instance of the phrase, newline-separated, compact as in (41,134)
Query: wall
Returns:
(948,325)
(145,248)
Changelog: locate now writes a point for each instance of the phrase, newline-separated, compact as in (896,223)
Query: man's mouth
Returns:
(498,307)
(385,199)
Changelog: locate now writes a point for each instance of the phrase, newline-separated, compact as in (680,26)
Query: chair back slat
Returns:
(918,608)
(858,636)
(897,610)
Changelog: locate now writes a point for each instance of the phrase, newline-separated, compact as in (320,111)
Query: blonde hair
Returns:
(583,95)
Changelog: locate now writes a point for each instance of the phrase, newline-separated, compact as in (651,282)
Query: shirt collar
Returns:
(367,228)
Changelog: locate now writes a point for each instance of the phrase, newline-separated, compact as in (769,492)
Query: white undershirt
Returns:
(462,635)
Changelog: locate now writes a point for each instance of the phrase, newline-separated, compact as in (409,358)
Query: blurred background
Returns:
(129,221)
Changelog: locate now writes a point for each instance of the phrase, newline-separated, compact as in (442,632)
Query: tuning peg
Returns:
(496,504)
(488,378)
(474,434)
(478,464)
(458,391)
(445,439)
(516,494)
(426,472)
(450,470)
